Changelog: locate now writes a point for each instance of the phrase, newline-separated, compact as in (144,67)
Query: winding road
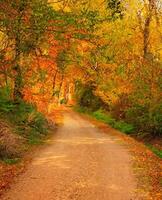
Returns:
(79,163)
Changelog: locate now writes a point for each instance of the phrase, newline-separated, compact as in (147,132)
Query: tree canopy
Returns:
(82,51)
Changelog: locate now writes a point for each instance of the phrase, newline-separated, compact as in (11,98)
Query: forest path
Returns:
(80,163)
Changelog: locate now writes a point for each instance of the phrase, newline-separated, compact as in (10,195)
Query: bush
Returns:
(24,117)
(27,116)
(6,105)
(145,119)
(37,121)
(86,98)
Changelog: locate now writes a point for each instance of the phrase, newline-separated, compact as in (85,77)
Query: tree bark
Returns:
(146,35)
(60,87)
(17,94)
(54,83)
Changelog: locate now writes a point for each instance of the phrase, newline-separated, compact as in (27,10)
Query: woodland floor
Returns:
(86,160)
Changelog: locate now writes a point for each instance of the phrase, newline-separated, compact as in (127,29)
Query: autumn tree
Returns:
(106,51)
(24,24)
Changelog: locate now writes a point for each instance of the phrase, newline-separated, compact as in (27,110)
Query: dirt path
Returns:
(80,163)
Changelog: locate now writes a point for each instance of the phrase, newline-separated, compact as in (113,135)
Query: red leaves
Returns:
(7,173)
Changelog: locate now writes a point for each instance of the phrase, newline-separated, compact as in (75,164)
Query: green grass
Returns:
(124,127)
(11,161)
(119,125)
(101,116)
(155,150)
(108,119)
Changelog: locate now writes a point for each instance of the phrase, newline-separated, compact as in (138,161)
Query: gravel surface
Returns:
(79,163)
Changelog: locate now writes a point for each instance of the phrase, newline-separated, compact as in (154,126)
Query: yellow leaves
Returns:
(84,46)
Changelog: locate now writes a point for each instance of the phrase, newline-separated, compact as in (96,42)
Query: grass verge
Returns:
(156,151)
(119,125)
(108,119)
(22,128)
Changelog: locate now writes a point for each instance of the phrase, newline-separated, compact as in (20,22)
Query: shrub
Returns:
(86,98)
(25,119)
(145,119)
(6,105)
(37,121)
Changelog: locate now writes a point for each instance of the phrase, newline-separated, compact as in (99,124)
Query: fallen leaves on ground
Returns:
(147,166)
(7,173)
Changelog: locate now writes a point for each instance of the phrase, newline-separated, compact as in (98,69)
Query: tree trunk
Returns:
(17,94)
(146,35)
(60,87)
(54,83)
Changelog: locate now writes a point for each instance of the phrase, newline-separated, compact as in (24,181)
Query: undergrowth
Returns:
(23,120)
(156,151)
(108,119)
(122,126)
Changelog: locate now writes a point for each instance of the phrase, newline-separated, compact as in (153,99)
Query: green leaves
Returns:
(116,9)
